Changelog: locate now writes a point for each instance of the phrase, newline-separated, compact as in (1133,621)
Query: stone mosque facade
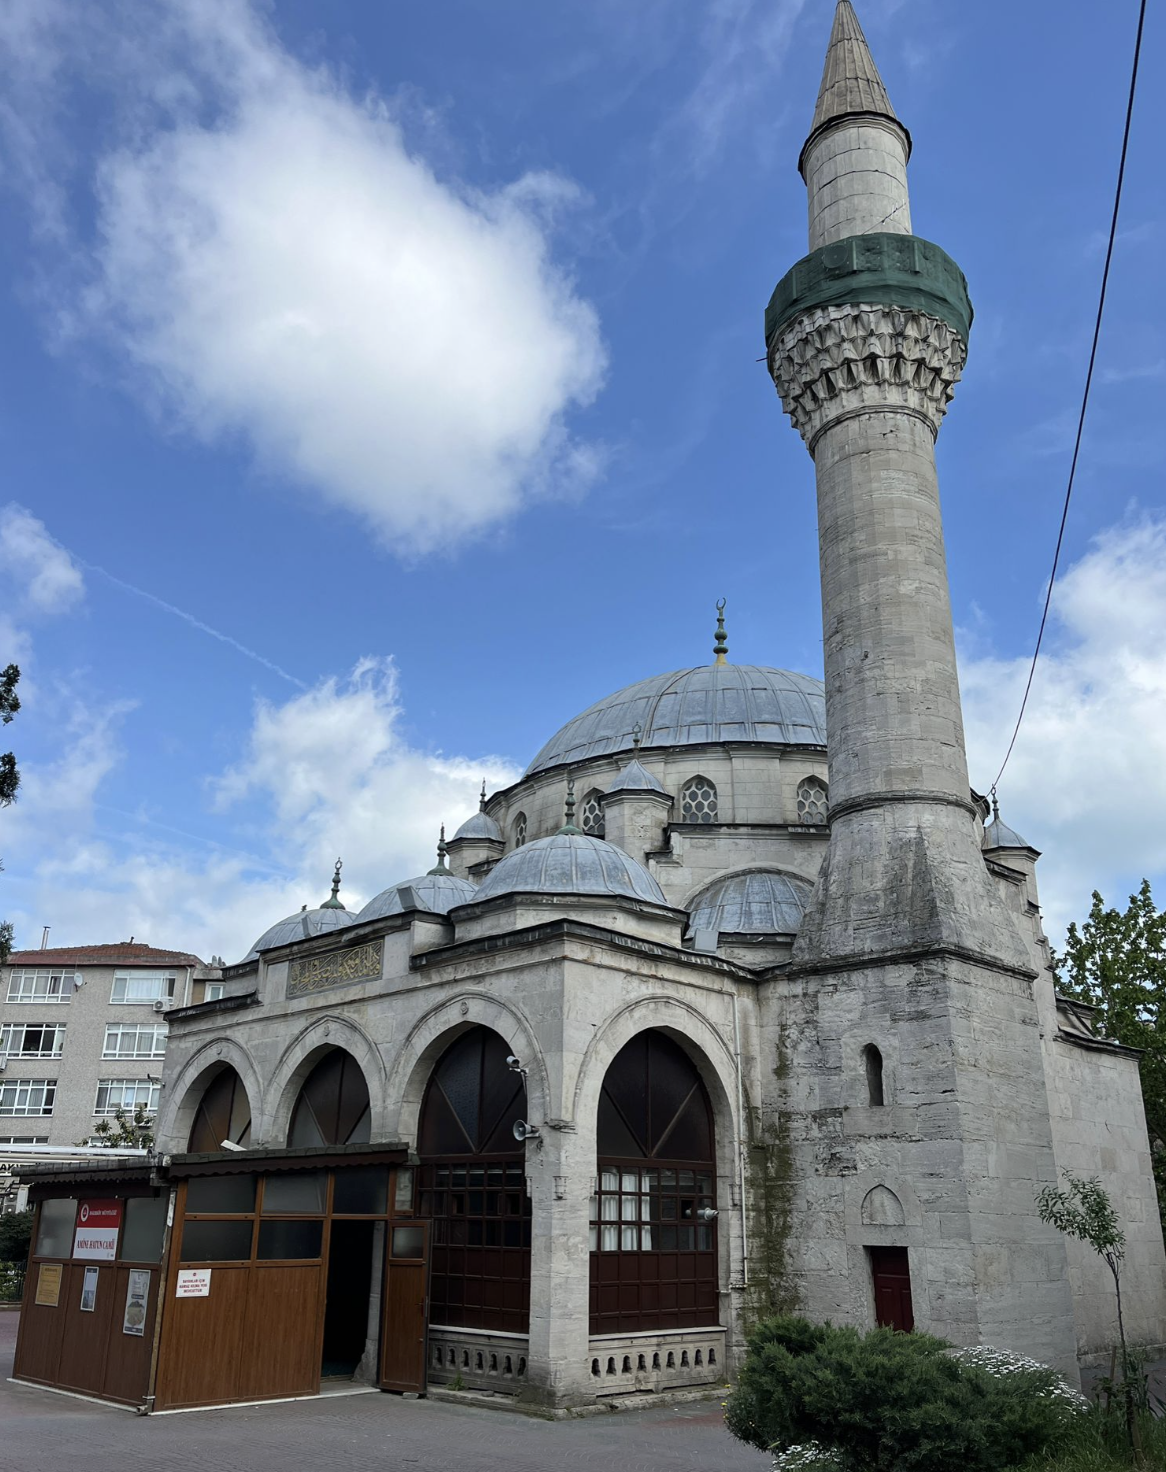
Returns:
(760,980)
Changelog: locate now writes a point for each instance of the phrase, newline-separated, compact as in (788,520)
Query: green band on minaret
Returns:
(886,270)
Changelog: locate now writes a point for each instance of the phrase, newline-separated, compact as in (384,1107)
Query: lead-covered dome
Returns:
(301,927)
(714,702)
(763,902)
(436,892)
(570,863)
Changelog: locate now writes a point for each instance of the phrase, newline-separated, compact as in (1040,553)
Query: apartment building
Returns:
(83,1033)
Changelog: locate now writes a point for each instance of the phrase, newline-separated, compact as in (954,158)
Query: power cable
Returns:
(1121,173)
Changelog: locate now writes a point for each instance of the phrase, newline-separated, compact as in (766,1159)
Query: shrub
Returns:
(889,1402)
(15,1236)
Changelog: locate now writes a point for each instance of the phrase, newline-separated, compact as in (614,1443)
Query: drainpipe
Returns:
(741,1147)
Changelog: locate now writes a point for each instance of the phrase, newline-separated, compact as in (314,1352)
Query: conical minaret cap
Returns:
(851,84)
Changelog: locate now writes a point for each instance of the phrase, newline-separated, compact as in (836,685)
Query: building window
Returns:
(24,1139)
(593,813)
(473,1187)
(519,830)
(32,1040)
(698,801)
(27,1096)
(653,1211)
(41,986)
(873,1061)
(135,1040)
(126,1094)
(214,991)
(143,986)
(813,801)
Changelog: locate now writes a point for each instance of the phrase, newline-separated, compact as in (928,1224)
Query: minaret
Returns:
(908,946)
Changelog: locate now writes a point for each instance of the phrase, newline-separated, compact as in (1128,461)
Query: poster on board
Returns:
(137,1302)
(193,1283)
(95,1235)
(89,1290)
(48,1284)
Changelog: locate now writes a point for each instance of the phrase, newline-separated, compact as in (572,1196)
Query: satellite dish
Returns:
(524,1131)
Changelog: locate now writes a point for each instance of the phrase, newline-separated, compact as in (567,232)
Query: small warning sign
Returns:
(194,1283)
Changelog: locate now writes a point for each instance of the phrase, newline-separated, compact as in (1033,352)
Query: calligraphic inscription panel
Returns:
(311,974)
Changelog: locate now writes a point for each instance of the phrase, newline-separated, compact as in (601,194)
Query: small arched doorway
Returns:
(223,1115)
(333,1106)
(653,1217)
(473,1187)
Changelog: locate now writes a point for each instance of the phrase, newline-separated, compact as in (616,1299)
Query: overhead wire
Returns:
(1125,145)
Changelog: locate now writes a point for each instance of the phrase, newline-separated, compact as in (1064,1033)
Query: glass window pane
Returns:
(55,1238)
(408,1242)
(593,1208)
(630,1238)
(628,1211)
(611,1208)
(686,1178)
(646,1238)
(216,1241)
(704,1238)
(145,1224)
(651,1179)
(609,1180)
(668,1178)
(289,1239)
(667,1239)
(220,1193)
(631,1180)
(593,1239)
(704,1182)
(301,1191)
(609,1238)
(645,1208)
(365,1189)
(403,1192)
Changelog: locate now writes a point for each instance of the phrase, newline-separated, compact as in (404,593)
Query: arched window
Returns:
(518,830)
(698,801)
(653,1228)
(223,1113)
(813,800)
(473,1183)
(592,811)
(873,1061)
(332,1108)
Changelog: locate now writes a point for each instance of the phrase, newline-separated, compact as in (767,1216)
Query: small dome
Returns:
(764,902)
(481,825)
(635,778)
(301,926)
(436,892)
(570,863)
(999,835)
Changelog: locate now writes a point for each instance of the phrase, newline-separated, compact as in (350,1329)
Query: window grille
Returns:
(27,1096)
(41,986)
(520,830)
(135,1040)
(127,1093)
(813,801)
(32,1040)
(593,813)
(143,986)
(698,801)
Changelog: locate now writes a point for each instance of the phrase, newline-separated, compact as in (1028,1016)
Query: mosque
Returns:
(737,1001)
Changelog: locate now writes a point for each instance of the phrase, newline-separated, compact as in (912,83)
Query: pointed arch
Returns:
(813,801)
(333,1106)
(698,800)
(183,1093)
(223,1113)
(303,1053)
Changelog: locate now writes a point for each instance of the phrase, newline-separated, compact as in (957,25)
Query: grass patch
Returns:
(1098,1444)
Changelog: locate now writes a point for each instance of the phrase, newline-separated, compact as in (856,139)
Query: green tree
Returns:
(9,774)
(122,1131)
(1117,962)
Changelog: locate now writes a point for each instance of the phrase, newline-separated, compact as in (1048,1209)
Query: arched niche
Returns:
(332,1107)
(882,1208)
(653,1217)
(473,1186)
(222,1114)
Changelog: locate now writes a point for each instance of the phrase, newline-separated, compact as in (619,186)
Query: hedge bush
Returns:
(889,1402)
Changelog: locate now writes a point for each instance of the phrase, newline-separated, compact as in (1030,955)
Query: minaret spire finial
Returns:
(569,825)
(721,647)
(441,867)
(482,799)
(850,79)
(334,902)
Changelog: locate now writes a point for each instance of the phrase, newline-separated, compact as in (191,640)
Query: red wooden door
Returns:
(405,1307)
(892,1288)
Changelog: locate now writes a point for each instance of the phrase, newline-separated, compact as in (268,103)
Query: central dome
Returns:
(714,702)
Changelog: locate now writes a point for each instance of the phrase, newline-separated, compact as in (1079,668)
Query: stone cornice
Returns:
(836,362)
(909,956)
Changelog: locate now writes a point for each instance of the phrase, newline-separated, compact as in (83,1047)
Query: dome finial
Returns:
(637,736)
(482,799)
(569,825)
(995,807)
(441,867)
(721,647)
(333,902)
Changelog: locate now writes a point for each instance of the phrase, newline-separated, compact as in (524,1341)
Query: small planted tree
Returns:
(1082,1210)
(122,1131)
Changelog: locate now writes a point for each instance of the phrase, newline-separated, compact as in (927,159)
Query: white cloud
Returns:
(326,774)
(35,571)
(278,265)
(1087,781)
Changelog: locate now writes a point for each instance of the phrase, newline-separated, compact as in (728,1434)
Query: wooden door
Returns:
(405,1307)
(892,1288)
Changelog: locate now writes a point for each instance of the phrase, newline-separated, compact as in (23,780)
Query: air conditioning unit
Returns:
(159,1006)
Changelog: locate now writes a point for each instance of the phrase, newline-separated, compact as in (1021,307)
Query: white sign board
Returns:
(194,1283)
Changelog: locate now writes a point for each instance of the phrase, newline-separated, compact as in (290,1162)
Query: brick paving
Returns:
(42,1432)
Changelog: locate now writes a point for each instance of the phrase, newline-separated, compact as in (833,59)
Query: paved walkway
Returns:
(42,1432)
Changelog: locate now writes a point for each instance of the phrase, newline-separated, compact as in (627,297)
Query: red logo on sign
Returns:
(100,1214)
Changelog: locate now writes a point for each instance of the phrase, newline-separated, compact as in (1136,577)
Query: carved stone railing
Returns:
(477,1359)
(622,1364)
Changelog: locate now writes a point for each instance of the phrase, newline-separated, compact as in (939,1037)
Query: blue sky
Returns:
(414,350)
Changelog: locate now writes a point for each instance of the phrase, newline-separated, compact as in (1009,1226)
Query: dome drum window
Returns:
(698,801)
(592,814)
(519,830)
(813,801)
